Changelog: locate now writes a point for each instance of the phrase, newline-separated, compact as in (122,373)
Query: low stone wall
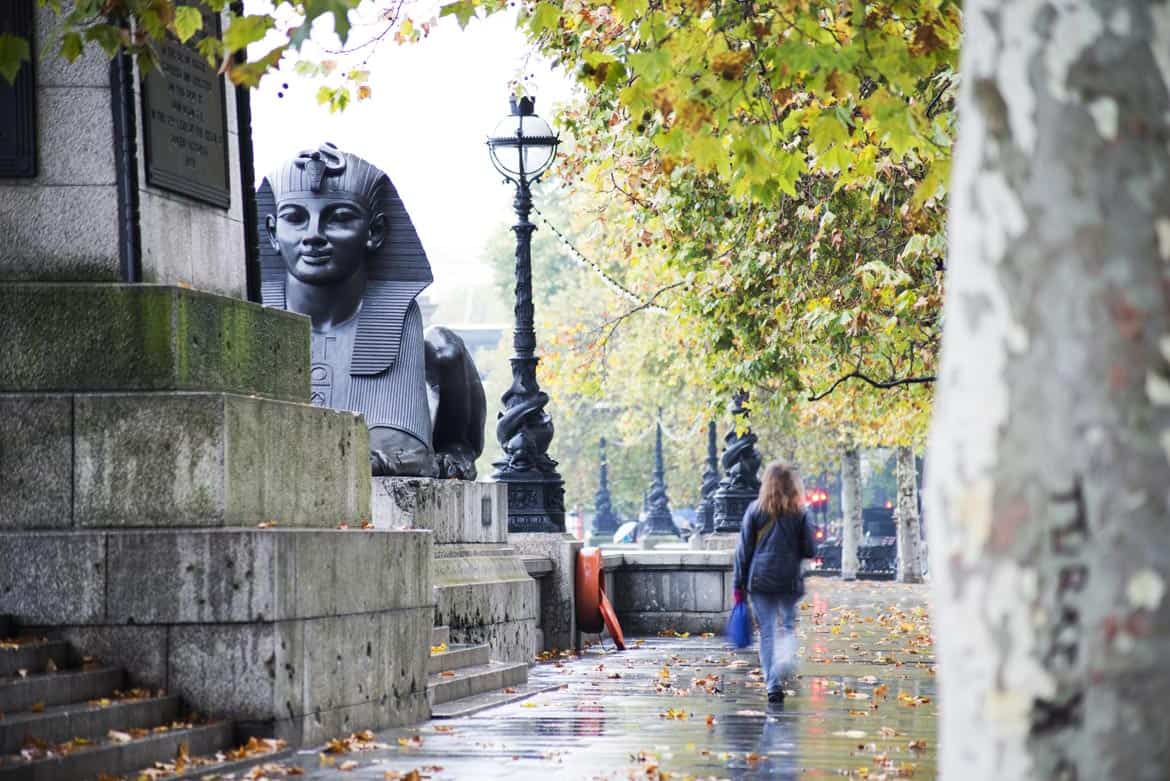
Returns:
(679,590)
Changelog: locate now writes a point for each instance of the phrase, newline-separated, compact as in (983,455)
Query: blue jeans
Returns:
(777,654)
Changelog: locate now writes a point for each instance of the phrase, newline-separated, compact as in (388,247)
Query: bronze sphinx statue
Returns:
(338,246)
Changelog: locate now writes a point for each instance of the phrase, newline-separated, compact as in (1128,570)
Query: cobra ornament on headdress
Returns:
(316,163)
(327,169)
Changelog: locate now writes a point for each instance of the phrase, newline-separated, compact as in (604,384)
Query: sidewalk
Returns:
(688,707)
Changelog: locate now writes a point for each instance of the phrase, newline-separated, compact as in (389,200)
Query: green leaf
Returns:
(188,21)
(106,36)
(14,52)
(71,45)
(339,9)
(463,11)
(629,10)
(546,16)
(245,30)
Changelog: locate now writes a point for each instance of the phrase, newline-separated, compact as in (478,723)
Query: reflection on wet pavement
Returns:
(863,707)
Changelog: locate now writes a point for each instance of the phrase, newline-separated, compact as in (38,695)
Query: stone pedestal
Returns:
(558,599)
(300,634)
(535,505)
(482,590)
(171,507)
(730,505)
(721,541)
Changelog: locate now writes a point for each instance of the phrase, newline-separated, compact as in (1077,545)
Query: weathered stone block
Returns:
(36,462)
(306,679)
(67,157)
(457,511)
(188,243)
(140,650)
(53,578)
(216,459)
(558,611)
(240,575)
(92,337)
(82,245)
(510,641)
(246,671)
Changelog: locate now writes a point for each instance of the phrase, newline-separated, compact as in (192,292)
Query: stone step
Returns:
(441,635)
(60,688)
(7,626)
(62,723)
(230,769)
(32,655)
(474,680)
(478,702)
(110,758)
(457,657)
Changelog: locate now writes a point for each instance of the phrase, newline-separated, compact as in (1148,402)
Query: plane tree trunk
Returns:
(850,512)
(909,538)
(1048,480)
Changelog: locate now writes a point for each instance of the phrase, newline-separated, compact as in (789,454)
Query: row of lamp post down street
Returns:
(522,147)
(723,501)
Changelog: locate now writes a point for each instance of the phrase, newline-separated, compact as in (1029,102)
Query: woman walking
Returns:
(774,537)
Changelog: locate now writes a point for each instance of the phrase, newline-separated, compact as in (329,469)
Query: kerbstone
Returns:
(36,462)
(53,578)
(207,459)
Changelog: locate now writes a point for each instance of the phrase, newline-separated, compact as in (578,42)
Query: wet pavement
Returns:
(689,707)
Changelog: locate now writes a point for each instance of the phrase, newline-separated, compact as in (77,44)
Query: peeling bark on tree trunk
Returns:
(1047,485)
(909,552)
(850,512)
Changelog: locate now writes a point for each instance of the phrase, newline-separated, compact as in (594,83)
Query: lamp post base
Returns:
(536,503)
(730,505)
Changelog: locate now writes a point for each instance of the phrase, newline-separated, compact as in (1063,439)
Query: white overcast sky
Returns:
(433,104)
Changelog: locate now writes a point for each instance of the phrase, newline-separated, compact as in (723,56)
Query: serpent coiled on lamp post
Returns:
(525,431)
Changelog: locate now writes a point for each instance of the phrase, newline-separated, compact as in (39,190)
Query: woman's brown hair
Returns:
(781,492)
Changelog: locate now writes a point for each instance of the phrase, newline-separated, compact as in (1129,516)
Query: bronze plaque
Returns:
(185,122)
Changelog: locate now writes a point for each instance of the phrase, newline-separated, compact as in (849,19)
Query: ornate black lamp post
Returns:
(741,463)
(659,520)
(605,520)
(706,512)
(522,147)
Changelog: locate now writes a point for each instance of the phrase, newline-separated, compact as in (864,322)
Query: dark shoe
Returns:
(776,697)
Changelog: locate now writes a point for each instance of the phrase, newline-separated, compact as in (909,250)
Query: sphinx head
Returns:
(327,220)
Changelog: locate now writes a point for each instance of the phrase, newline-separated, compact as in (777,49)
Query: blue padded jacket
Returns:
(773,566)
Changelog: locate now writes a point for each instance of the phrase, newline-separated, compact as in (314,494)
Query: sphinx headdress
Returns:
(398,270)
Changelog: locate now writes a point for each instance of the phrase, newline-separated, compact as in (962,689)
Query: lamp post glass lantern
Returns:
(522,148)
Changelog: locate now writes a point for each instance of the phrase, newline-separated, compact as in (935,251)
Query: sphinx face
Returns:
(323,239)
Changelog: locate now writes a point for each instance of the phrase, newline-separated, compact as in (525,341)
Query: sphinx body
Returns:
(339,247)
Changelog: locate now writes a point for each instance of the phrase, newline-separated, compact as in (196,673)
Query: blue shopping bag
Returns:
(739,626)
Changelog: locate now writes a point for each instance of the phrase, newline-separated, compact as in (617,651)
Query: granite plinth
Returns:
(297,634)
(178,459)
(79,338)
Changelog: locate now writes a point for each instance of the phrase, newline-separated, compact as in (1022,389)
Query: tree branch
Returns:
(890,383)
